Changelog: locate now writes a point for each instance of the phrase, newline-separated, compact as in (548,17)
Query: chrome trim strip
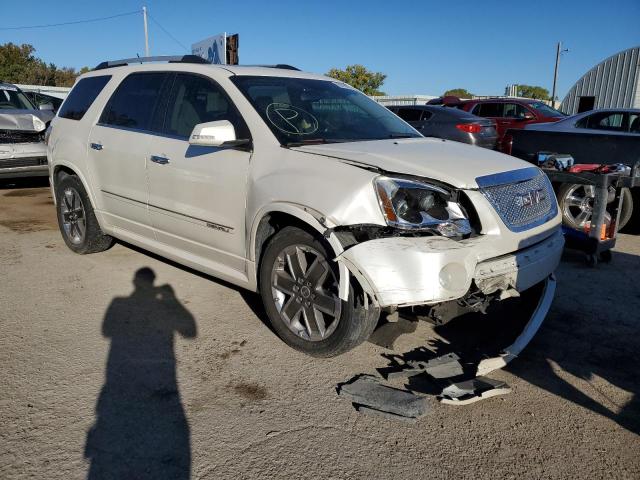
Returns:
(505,178)
(215,226)
(153,133)
(512,351)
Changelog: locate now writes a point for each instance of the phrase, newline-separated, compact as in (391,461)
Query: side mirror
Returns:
(46,106)
(215,134)
(528,116)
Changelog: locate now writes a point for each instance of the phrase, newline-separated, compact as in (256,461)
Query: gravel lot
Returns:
(208,387)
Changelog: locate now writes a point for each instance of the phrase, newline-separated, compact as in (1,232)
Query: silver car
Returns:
(22,127)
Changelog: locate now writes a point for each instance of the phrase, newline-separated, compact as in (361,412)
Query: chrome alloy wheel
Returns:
(305,292)
(73,216)
(577,205)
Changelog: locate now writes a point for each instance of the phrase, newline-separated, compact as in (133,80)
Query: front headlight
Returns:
(415,205)
(38,125)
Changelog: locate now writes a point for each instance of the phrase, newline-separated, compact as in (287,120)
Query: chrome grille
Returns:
(22,162)
(522,198)
(20,136)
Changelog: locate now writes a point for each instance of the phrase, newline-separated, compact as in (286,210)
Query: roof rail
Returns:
(283,66)
(170,59)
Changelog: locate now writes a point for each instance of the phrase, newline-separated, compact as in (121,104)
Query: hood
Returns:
(453,163)
(11,119)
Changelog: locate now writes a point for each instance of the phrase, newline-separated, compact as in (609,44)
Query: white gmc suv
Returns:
(301,188)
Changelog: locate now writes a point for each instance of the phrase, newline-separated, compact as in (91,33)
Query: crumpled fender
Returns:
(309,217)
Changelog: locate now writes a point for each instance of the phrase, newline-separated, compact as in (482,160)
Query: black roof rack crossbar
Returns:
(283,66)
(170,59)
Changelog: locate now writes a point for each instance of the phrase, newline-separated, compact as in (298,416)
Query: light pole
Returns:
(146,33)
(559,51)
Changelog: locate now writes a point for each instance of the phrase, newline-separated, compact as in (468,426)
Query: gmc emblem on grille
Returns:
(531,198)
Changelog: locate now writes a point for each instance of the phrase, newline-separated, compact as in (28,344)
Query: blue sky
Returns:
(424,47)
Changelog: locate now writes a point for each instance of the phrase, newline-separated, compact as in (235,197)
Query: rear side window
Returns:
(133,103)
(489,110)
(82,96)
(514,110)
(410,114)
(603,121)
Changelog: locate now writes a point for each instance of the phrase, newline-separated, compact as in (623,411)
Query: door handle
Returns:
(159,159)
(96,146)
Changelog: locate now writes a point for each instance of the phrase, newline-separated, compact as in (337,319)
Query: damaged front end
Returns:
(22,148)
(406,271)
(450,261)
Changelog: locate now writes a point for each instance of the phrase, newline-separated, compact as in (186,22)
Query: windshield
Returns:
(546,110)
(14,99)
(302,111)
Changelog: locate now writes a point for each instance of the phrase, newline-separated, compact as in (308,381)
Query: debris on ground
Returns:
(471,391)
(447,378)
(444,366)
(368,395)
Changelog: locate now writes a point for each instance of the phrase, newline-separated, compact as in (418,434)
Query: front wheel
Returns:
(299,289)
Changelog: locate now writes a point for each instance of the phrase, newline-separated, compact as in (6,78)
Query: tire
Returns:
(76,219)
(576,216)
(297,276)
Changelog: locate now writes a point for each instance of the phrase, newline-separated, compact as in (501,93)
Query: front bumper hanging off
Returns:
(405,271)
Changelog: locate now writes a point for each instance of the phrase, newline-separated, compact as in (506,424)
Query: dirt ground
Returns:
(177,376)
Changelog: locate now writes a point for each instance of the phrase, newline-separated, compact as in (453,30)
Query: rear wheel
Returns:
(76,219)
(299,289)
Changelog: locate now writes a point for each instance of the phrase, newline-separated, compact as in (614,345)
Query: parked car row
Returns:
(450,124)
(305,190)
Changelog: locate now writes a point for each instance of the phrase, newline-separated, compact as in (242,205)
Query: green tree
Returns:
(532,91)
(458,92)
(18,64)
(359,77)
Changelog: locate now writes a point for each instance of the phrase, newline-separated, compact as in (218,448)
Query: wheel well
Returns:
(61,171)
(271,224)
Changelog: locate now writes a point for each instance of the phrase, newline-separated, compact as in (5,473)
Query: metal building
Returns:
(396,100)
(613,83)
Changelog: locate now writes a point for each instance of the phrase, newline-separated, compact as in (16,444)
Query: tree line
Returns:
(18,64)
(358,76)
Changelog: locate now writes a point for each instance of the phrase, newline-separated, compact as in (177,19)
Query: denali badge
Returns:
(532,197)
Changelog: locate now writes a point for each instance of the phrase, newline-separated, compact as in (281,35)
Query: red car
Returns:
(511,112)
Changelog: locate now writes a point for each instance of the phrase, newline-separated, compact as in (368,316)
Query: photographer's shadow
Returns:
(141,430)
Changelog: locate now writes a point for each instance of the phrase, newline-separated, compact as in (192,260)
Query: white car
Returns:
(301,188)
(22,126)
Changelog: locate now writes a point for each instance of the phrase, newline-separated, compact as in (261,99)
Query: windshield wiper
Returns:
(309,141)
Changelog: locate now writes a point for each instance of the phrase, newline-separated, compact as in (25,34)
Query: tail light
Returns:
(469,127)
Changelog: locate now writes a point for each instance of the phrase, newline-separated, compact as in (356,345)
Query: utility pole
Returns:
(559,51)
(146,35)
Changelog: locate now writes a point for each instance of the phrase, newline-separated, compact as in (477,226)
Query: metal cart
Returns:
(600,238)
